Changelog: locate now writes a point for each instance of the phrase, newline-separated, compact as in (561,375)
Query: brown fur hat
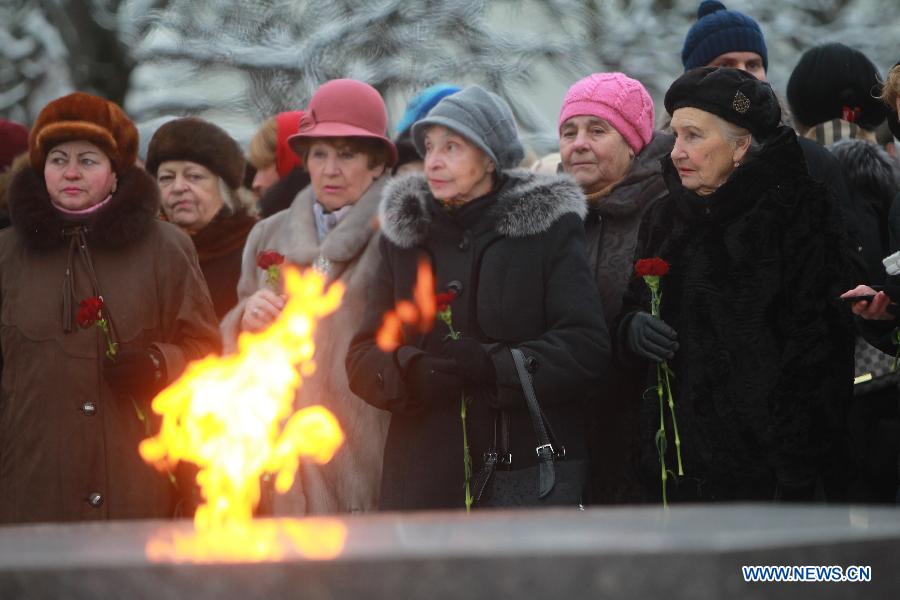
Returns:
(81,116)
(198,141)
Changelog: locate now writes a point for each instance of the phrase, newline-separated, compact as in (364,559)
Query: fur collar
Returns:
(868,168)
(527,204)
(126,218)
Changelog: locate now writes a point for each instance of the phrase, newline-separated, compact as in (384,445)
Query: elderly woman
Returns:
(330,226)
(102,306)
(762,357)
(511,245)
(608,145)
(199,169)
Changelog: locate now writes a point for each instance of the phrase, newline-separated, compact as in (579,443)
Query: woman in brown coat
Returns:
(75,392)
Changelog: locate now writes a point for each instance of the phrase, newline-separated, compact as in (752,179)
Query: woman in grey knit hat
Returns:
(508,246)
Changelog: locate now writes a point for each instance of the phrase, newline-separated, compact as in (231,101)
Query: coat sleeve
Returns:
(375,375)
(816,372)
(190,330)
(637,295)
(247,285)
(573,353)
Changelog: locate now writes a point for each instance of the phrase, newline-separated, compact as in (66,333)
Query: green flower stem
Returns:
(447,317)
(273,275)
(467,457)
(661,440)
(666,371)
(111,347)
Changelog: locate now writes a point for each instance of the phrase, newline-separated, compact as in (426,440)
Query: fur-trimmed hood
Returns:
(868,168)
(527,204)
(131,210)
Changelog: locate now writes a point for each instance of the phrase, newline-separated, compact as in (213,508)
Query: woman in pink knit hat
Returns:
(608,145)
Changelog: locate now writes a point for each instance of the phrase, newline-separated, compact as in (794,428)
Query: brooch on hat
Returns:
(741,103)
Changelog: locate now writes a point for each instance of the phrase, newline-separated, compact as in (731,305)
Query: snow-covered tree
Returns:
(239,61)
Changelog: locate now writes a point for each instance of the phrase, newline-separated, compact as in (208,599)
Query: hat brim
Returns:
(67,131)
(418,135)
(330,129)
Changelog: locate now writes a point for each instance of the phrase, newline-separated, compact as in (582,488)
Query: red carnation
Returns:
(89,311)
(444,299)
(270,262)
(647,267)
(269,258)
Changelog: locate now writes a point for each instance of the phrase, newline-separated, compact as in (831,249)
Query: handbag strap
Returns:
(545,448)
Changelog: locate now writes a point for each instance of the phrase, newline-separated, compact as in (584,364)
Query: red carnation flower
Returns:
(89,311)
(269,258)
(444,299)
(647,267)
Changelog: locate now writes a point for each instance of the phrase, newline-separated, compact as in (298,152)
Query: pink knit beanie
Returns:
(617,99)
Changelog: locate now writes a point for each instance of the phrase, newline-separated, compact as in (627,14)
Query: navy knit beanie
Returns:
(719,31)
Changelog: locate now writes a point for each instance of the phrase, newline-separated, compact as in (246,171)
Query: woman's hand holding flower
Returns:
(262,308)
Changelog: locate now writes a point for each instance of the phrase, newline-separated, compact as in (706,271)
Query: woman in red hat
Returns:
(279,172)
(329,226)
(102,305)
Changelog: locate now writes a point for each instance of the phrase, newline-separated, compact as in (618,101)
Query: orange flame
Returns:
(253,541)
(225,414)
(419,313)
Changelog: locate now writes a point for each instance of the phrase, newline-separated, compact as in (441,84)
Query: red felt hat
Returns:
(344,108)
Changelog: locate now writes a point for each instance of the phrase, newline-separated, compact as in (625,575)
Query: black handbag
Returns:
(554,481)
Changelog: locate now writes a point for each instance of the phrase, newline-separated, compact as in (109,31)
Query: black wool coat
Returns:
(519,255)
(764,367)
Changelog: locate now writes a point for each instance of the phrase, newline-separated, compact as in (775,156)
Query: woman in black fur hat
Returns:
(759,348)
(199,169)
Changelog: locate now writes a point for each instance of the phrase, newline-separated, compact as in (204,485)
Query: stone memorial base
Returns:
(692,552)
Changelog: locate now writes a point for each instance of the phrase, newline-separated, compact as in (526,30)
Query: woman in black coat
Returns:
(760,350)
(512,244)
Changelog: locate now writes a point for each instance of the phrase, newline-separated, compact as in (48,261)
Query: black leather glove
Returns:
(650,337)
(136,373)
(433,379)
(474,363)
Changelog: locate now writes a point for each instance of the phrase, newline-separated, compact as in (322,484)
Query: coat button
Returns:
(379,380)
(464,242)
(95,499)
(89,409)
(531,365)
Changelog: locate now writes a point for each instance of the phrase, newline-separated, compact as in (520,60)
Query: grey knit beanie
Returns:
(481,117)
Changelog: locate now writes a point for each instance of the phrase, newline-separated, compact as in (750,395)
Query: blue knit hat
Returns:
(719,31)
(422,102)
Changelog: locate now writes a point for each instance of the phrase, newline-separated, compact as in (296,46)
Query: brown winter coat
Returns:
(351,481)
(64,434)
